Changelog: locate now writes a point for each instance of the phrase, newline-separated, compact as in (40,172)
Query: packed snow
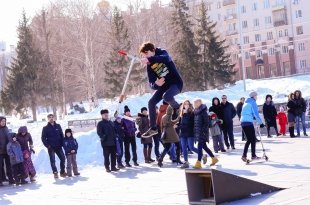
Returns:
(287,168)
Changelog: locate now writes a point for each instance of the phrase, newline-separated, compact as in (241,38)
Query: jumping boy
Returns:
(163,77)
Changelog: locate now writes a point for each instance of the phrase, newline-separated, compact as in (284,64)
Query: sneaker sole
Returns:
(148,136)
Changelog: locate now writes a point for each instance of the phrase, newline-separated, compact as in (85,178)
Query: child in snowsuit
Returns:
(282,121)
(25,140)
(70,146)
(16,158)
(215,132)
(201,133)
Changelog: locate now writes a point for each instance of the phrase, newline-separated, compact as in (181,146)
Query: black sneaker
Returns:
(305,134)
(128,165)
(121,166)
(108,170)
(12,182)
(223,150)
(233,148)
(151,132)
(257,140)
(77,174)
(269,136)
(114,169)
(23,181)
(136,164)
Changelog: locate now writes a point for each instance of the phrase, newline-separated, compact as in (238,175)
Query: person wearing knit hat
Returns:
(270,115)
(107,134)
(126,109)
(282,120)
(71,146)
(248,114)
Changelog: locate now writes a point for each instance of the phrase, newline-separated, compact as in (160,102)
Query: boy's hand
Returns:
(160,81)
(144,61)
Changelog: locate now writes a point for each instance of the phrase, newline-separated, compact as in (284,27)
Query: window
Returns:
(301,46)
(286,68)
(266,4)
(271,51)
(259,54)
(268,20)
(232,27)
(286,32)
(257,37)
(256,22)
(299,30)
(219,5)
(246,40)
(273,69)
(254,6)
(249,72)
(269,35)
(284,49)
(243,9)
(303,63)
(280,33)
(247,55)
(298,14)
(261,71)
(244,24)
(295,2)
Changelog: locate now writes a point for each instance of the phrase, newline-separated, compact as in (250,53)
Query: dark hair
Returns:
(143,109)
(148,46)
(68,131)
(104,111)
(126,109)
(268,96)
(50,115)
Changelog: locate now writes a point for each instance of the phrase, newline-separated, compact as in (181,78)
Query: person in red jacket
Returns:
(282,121)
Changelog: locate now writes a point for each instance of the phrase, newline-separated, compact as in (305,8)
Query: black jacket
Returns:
(239,109)
(201,124)
(229,112)
(52,136)
(217,109)
(292,107)
(301,106)
(107,133)
(186,125)
(119,128)
(270,114)
(4,139)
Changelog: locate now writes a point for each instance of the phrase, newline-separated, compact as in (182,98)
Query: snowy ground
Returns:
(288,166)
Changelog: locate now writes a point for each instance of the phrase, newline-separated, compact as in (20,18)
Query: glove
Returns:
(262,125)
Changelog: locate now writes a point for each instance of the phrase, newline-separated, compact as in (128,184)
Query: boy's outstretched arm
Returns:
(162,58)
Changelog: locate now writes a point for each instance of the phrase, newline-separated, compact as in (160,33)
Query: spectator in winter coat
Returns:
(25,140)
(291,114)
(217,108)
(270,115)
(4,157)
(163,77)
(282,121)
(229,112)
(143,125)
(169,136)
(71,146)
(130,138)
(107,135)
(52,138)
(216,134)
(300,112)
(186,127)
(120,135)
(16,159)
(249,112)
(201,133)
(239,109)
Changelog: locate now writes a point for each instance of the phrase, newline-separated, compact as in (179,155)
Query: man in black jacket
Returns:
(300,112)
(229,112)
(107,134)
(52,138)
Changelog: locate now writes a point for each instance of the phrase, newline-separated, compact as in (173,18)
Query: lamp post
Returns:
(241,45)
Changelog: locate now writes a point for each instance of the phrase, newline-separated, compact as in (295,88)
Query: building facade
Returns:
(274,34)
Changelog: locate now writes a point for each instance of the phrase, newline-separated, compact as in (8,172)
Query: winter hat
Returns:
(68,131)
(252,94)
(104,111)
(143,109)
(212,115)
(126,109)
(118,118)
(22,129)
(268,96)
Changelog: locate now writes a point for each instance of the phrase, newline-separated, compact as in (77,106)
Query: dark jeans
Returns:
(120,152)
(130,141)
(228,135)
(167,147)
(59,152)
(187,142)
(18,171)
(203,146)
(109,152)
(5,158)
(156,139)
(149,145)
(249,133)
(162,94)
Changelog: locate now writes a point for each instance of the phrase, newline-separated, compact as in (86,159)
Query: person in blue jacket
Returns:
(163,77)
(52,138)
(248,114)
(71,146)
